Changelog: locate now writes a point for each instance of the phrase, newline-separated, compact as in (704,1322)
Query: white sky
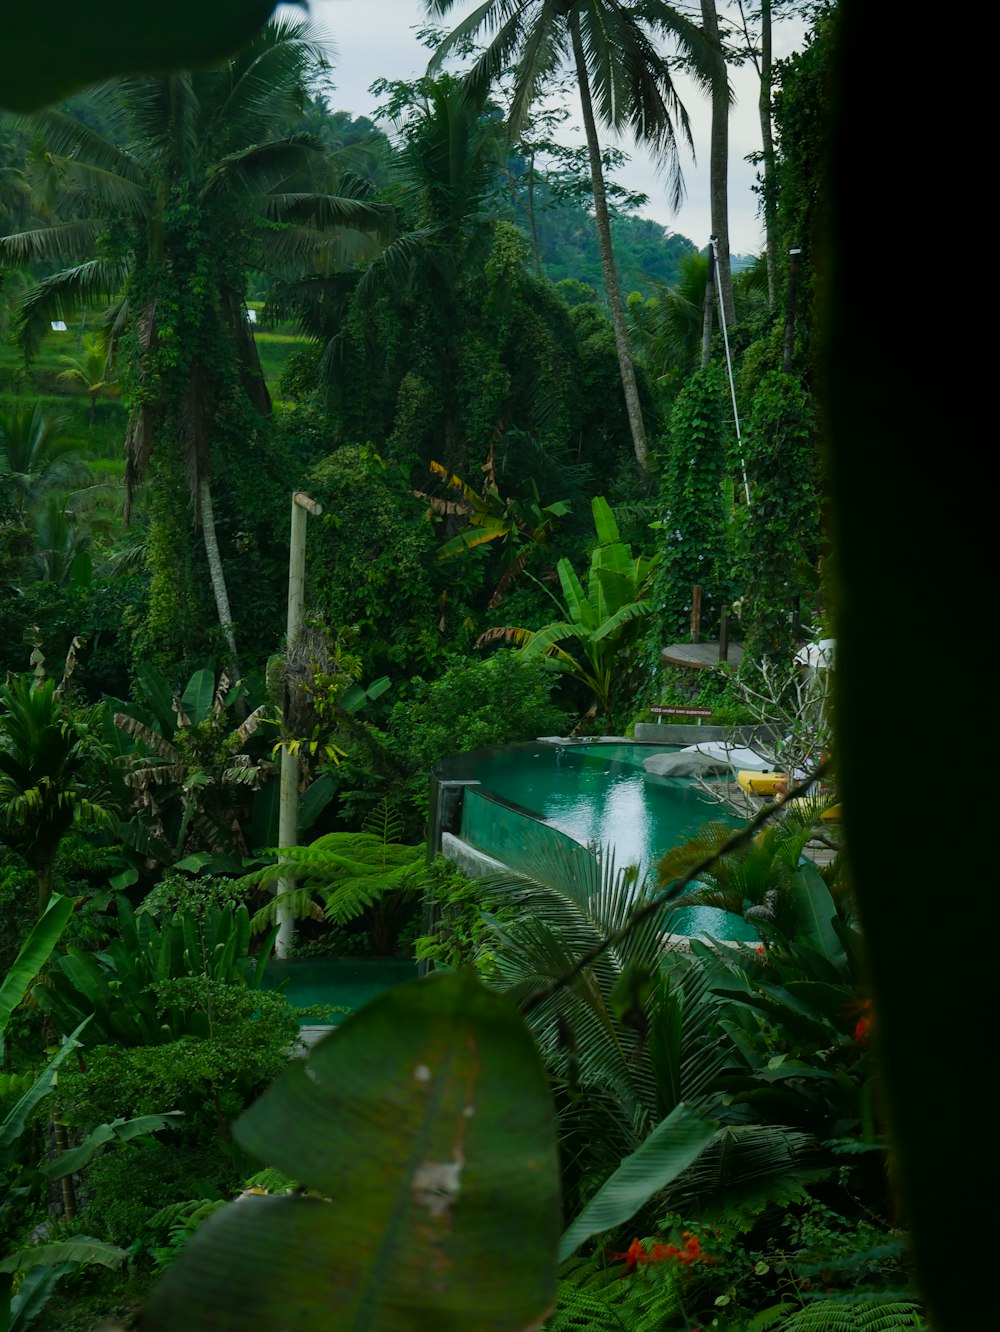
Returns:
(373,39)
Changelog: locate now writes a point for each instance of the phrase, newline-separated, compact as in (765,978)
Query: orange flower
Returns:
(661,1252)
(634,1256)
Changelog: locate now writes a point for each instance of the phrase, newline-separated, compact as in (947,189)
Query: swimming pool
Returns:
(520,801)
(338,986)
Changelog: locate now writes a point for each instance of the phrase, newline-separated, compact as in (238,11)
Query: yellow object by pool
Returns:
(831,815)
(762,783)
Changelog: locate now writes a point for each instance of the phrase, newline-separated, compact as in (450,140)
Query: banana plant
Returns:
(600,624)
(115,991)
(522,525)
(189,768)
(20,1094)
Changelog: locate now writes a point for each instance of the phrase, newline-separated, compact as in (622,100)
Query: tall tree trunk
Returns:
(533,221)
(215,571)
(708,309)
(613,291)
(719,161)
(767,147)
(44,875)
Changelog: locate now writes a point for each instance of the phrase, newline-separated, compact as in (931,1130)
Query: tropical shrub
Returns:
(53,774)
(603,623)
(372,561)
(126,1187)
(124,993)
(474,704)
(210,1078)
(460,919)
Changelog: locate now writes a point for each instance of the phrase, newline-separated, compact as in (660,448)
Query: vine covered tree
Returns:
(778,532)
(625,84)
(197,183)
(693,529)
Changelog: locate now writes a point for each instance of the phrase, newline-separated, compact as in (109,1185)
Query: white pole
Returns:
(288,801)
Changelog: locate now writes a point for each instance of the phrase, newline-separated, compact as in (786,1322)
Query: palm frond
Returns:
(65,240)
(61,296)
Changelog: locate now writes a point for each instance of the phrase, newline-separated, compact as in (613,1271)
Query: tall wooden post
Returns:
(696,613)
(288,799)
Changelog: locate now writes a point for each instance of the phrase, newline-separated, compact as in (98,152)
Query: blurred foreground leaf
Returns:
(49,52)
(425,1127)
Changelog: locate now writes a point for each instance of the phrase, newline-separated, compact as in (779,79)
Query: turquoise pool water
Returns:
(337,985)
(599,796)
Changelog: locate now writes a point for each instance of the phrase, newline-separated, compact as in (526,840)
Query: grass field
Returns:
(22,385)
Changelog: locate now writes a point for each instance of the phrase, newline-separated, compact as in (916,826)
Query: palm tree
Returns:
(624,82)
(34,458)
(88,371)
(197,184)
(668,325)
(53,774)
(719,159)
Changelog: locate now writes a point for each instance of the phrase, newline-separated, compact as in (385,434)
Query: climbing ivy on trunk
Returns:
(778,532)
(693,535)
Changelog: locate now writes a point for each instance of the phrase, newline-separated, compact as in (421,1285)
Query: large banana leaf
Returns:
(581,613)
(607,592)
(604,521)
(673,1146)
(424,1124)
(158,694)
(816,914)
(35,952)
(118,1130)
(634,610)
(79,1249)
(34,1290)
(12,1126)
(198,694)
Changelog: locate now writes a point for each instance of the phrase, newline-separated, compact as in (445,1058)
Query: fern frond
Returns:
(770,1318)
(384,823)
(854,1315)
(299,903)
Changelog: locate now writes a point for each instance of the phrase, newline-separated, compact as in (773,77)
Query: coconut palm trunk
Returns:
(611,287)
(767,152)
(719,162)
(216,571)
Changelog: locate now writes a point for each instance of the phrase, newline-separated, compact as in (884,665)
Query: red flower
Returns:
(661,1252)
(863,1027)
(634,1256)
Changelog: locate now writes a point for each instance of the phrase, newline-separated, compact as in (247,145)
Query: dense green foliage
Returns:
(448,389)
(693,523)
(777,533)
